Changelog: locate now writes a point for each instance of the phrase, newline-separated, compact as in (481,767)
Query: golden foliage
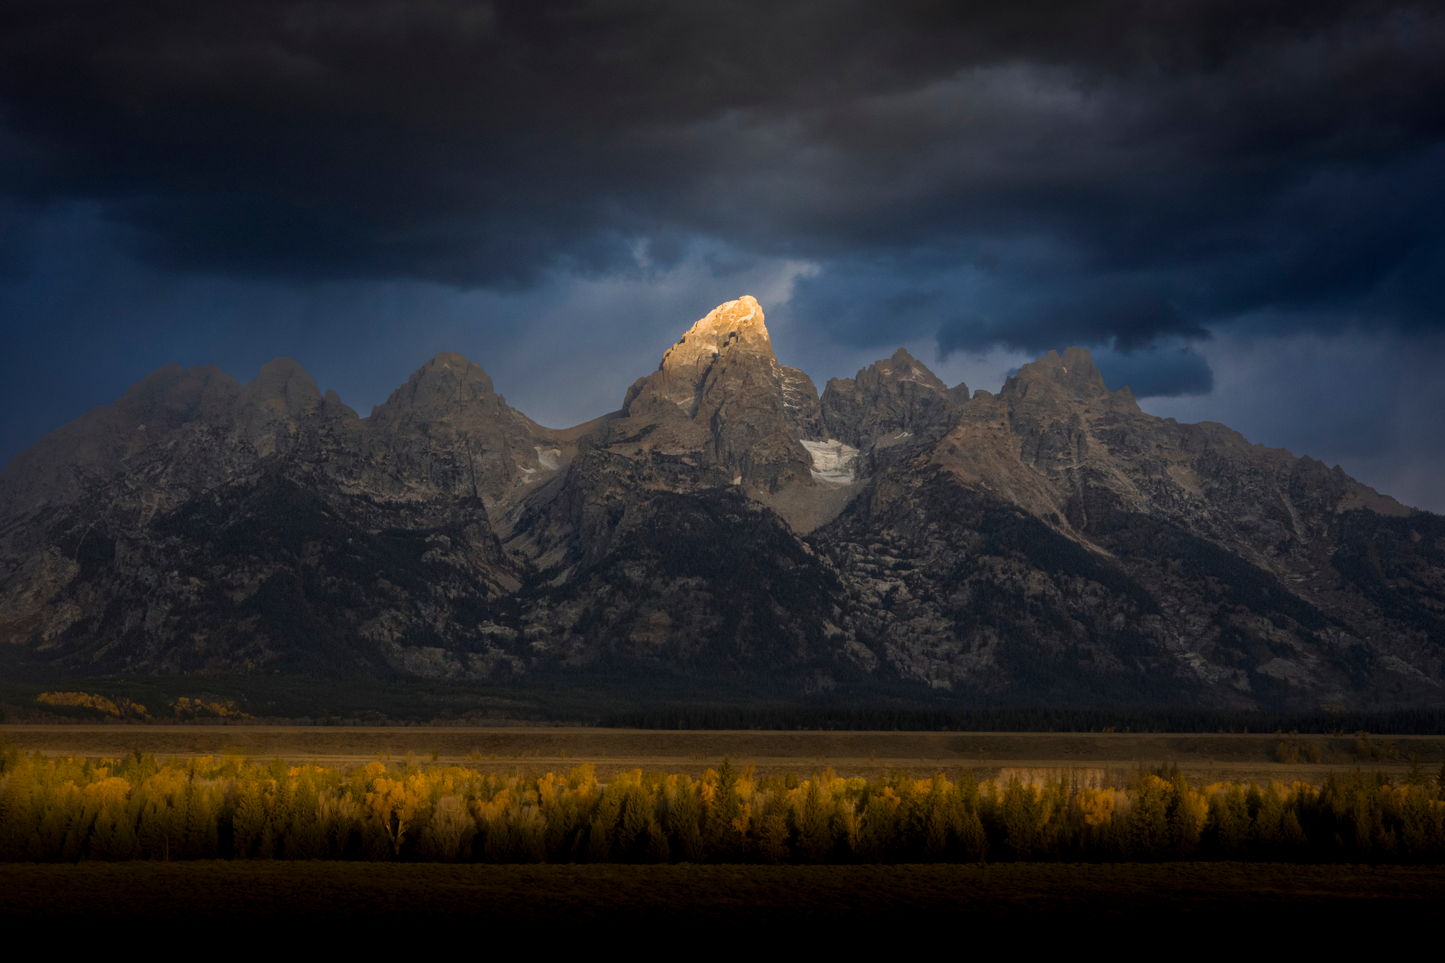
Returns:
(188,708)
(1097,806)
(118,709)
(138,808)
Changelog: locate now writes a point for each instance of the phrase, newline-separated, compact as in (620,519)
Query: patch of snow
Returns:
(903,434)
(548,457)
(738,480)
(832,461)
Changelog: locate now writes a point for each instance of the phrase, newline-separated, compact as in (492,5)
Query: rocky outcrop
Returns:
(889,399)
(719,412)
(95,448)
(258,525)
(1048,543)
(446,430)
(1059,540)
(720,400)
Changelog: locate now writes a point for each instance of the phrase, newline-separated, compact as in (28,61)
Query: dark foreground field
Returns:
(1149,895)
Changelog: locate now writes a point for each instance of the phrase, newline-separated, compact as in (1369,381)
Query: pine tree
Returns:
(248,820)
(658,850)
(684,819)
(773,838)
(815,829)
(720,834)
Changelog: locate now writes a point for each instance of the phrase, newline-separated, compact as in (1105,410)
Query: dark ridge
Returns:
(1140,536)
(1051,552)
(742,591)
(1007,529)
(1377,554)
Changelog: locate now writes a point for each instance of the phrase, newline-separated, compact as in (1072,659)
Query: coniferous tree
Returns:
(773,838)
(1147,831)
(1019,818)
(685,818)
(248,819)
(722,820)
(658,848)
(815,824)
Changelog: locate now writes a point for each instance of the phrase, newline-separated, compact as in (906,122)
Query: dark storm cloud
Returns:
(1024,174)
(1150,374)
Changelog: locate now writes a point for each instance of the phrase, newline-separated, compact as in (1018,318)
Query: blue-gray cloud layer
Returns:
(1132,176)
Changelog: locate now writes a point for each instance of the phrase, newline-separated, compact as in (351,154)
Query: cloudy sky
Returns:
(1238,205)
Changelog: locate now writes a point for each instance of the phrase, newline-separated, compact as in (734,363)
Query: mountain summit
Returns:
(719,402)
(1048,543)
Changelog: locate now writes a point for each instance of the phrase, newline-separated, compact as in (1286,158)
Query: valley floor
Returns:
(1099,758)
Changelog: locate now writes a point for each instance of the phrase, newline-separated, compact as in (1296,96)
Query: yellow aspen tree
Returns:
(530,832)
(559,808)
(162,823)
(392,804)
(1193,815)
(339,818)
(113,836)
(450,832)
(1097,806)
(492,822)
(78,840)
(602,830)
(203,817)
(1267,831)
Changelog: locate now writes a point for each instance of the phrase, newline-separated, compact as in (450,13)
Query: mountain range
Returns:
(1048,544)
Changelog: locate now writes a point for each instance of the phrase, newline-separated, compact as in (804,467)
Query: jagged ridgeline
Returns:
(69,809)
(1050,544)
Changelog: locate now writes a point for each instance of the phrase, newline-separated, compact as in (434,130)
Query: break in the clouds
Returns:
(1154,181)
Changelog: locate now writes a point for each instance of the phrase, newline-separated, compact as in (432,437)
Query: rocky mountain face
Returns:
(1050,543)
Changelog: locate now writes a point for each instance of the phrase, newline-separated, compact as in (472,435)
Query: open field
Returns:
(586,896)
(1238,757)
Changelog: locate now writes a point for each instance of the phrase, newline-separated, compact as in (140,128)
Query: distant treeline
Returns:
(1411,722)
(138,808)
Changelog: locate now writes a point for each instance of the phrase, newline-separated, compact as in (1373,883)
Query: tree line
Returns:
(1414,722)
(201,808)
